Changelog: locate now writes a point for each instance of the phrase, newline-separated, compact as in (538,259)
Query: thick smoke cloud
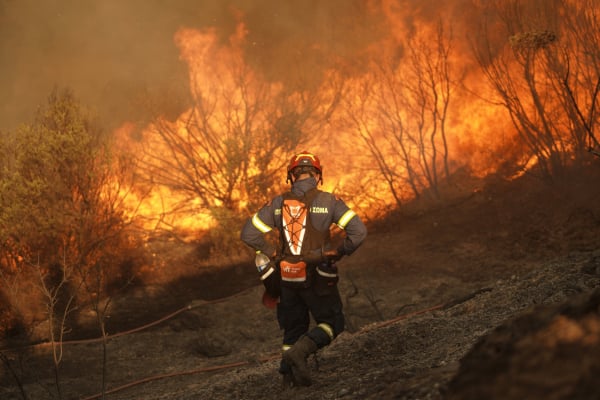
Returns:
(108,52)
(116,55)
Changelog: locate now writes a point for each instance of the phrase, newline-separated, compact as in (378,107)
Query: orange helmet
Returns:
(305,161)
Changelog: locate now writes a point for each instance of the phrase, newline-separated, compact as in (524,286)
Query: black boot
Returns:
(288,381)
(296,358)
(286,372)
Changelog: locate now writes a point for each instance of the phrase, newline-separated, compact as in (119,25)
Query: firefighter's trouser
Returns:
(294,310)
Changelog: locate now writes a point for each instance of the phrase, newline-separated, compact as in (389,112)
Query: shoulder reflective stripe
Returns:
(286,347)
(258,224)
(348,215)
(327,329)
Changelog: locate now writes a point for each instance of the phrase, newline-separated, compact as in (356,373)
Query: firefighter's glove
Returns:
(333,254)
(269,301)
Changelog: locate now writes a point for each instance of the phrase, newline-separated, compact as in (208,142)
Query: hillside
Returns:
(498,286)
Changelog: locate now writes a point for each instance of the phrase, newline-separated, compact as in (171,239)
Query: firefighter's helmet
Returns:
(304,162)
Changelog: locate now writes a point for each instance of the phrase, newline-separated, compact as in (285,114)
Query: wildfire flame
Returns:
(477,130)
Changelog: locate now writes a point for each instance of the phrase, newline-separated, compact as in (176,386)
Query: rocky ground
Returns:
(493,295)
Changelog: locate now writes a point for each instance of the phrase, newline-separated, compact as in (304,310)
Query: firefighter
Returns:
(302,276)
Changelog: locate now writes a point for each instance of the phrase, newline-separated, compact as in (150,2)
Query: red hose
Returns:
(205,369)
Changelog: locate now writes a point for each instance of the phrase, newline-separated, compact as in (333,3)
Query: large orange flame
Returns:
(477,130)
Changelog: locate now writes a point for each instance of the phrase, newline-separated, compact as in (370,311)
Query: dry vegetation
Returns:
(430,301)
(91,308)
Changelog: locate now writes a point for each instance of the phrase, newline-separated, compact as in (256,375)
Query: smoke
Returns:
(119,56)
(107,52)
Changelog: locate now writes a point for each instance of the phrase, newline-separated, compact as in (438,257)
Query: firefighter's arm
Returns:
(355,229)
(254,230)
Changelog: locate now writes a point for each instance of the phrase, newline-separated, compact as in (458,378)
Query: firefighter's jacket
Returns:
(324,210)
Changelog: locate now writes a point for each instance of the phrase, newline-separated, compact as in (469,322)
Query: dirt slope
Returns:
(436,302)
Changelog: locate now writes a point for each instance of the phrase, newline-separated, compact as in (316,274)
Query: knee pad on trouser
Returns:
(322,334)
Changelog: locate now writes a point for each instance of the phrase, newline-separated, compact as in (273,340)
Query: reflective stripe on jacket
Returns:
(326,209)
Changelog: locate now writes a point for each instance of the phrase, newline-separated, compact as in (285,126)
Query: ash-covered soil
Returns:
(493,295)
